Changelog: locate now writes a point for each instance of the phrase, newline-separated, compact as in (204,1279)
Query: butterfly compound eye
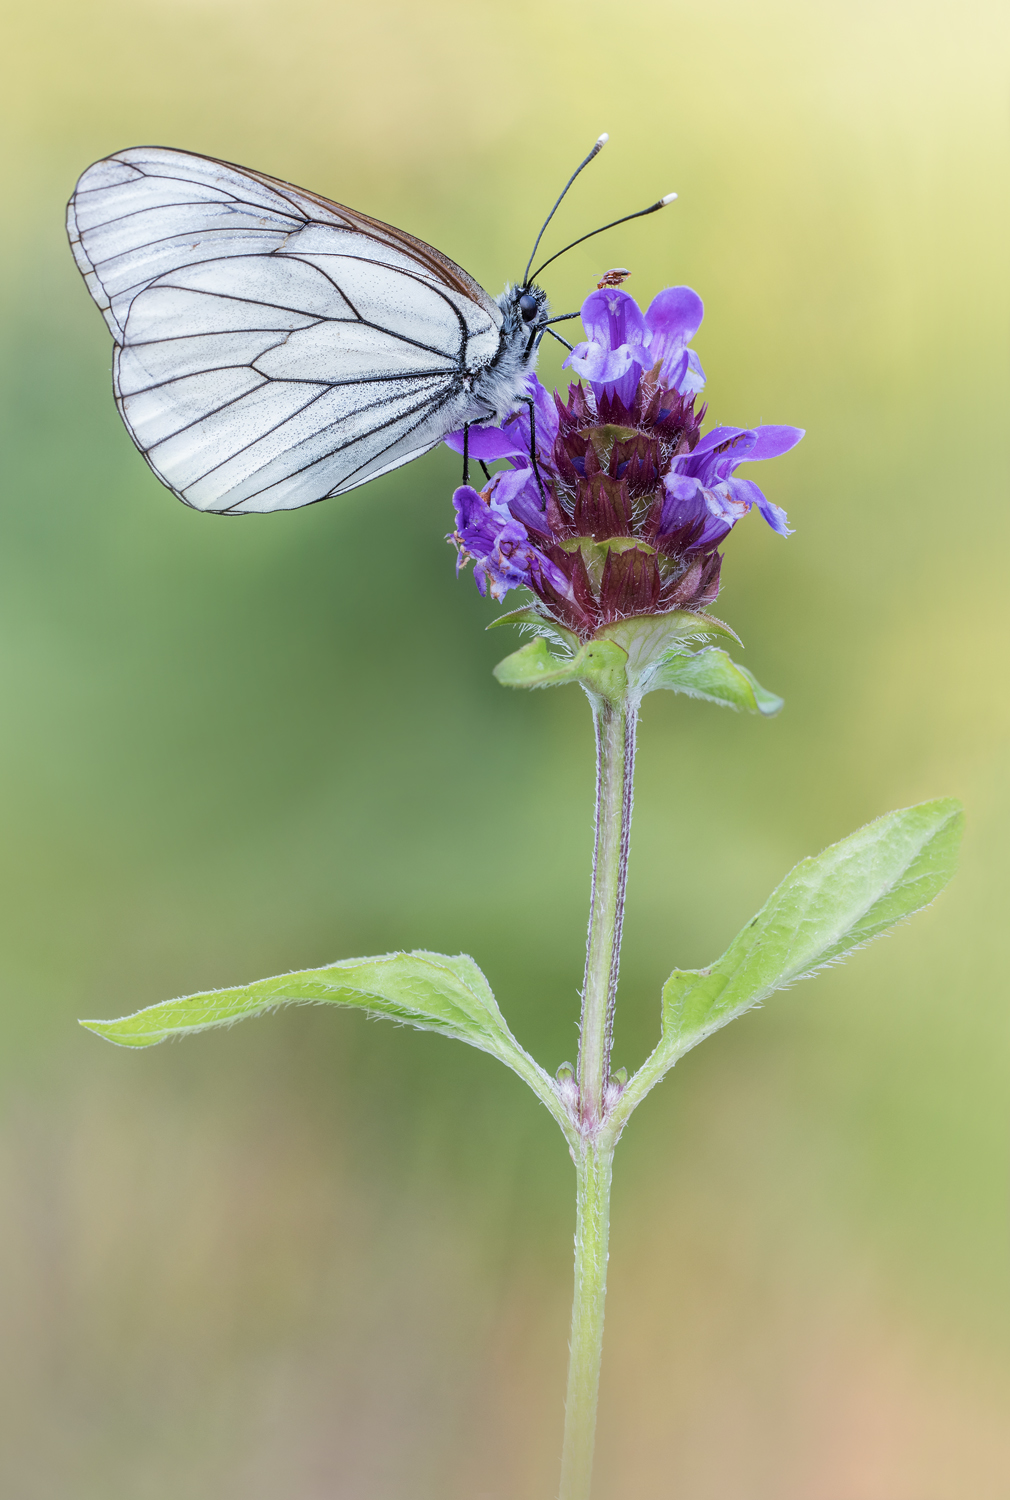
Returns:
(528,307)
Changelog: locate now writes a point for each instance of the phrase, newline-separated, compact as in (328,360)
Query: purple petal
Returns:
(773,441)
(517,427)
(553,574)
(509,484)
(672,320)
(700,466)
(720,435)
(613,372)
(624,389)
(722,502)
(686,504)
(673,371)
(775,516)
(511,538)
(612,318)
(546,413)
(467,503)
(595,362)
(516,491)
(487,443)
(746,492)
(681,486)
(693,379)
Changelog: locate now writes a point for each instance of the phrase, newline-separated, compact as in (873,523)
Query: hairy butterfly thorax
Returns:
(502,381)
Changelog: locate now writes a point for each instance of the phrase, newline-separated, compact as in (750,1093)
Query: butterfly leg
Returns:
(528,401)
(466,457)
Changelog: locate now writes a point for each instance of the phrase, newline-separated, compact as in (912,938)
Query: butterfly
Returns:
(273,348)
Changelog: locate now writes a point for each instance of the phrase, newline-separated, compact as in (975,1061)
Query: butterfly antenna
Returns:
(653,208)
(604,138)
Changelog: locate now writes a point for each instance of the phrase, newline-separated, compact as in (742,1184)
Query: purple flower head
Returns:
(628,504)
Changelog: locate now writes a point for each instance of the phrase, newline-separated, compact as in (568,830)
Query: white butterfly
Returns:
(273,348)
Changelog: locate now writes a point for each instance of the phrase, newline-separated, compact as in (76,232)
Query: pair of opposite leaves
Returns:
(828,905)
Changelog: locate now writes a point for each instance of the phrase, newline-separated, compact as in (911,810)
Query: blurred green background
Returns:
(324,1259)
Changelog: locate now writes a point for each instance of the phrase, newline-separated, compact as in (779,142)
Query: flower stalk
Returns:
(614,717)
(615,768)
(593,1168)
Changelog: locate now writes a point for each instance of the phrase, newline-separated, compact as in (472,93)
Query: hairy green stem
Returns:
(615,765)
(615,762)
(591,1236)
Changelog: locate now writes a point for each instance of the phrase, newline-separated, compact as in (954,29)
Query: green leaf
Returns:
(428,990)
(599,666)
(528,614)
(712,675)
(827,906)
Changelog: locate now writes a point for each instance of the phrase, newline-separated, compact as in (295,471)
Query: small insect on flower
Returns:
(273,348)
(617,277)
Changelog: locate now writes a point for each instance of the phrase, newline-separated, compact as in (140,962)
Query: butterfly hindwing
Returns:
(272,348)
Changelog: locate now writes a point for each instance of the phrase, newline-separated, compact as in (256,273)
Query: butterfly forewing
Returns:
(273,348)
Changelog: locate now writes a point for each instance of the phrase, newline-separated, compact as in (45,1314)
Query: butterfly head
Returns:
(530,304)
(525,312)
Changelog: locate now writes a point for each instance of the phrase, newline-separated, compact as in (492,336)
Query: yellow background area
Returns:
(318,1258)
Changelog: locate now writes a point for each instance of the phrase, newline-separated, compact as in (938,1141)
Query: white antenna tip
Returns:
(668,199)
(604,138)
